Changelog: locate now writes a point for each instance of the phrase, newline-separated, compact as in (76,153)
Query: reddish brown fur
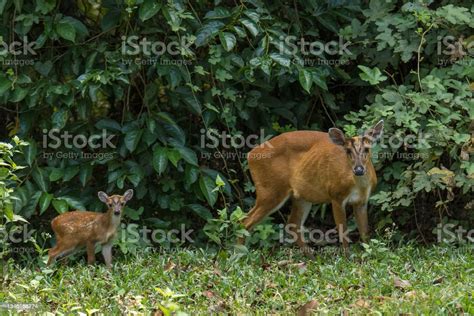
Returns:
(86,229)
(308,168)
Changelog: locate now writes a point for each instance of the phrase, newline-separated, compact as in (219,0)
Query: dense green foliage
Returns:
(407,279)
(237,76)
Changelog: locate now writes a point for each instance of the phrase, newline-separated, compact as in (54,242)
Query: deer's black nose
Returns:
(359,171)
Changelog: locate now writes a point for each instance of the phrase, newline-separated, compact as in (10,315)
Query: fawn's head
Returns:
(357,148)
(116,203)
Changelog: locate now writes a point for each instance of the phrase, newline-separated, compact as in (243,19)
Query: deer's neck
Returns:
(111,220)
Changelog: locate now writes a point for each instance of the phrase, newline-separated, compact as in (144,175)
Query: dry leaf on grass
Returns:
(400,284)
(438,280)
(362,303)
(169,266)
(307,308)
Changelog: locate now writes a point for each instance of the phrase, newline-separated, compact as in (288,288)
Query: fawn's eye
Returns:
(123,203)
(109,204)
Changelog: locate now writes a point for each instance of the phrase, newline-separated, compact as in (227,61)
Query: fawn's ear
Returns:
(103,196)
(375,132)
(337,136)
(128,195)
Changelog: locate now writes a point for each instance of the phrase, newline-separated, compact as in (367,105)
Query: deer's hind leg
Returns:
(61,249)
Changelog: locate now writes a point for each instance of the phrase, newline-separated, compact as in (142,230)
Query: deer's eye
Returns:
(348,151)
(366,150)
(123,203)
(109,204)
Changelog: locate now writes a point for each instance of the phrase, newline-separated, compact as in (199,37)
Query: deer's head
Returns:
(357,148)
(116,203)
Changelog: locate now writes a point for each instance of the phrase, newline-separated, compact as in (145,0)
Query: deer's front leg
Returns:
(360,213)
(339,214)
(90,252)
(107,253)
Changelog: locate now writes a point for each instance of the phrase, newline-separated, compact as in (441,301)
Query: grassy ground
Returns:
(408,279)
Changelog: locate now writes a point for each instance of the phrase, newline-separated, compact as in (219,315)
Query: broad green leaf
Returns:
(132,139)
(60,206)
(73,202)
(174,156)
(228,40)
(207,32)
(148,9)
(45,201)
(56,174)
(40,178)
(201,211)
(18,94)
(250,25)
(30,152)
(217,13)
(5,84)
(206,184)
(160,159)
(306,79)
(85,174)
(66,30)
(188,155)
(281,59)
(70,172)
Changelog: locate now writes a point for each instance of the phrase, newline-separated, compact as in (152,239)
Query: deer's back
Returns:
(78,223)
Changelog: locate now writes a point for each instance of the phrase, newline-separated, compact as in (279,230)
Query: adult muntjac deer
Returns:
(311,167)
(81,228)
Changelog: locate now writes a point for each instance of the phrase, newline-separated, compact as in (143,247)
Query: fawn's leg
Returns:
(90,252)
(61,249)
(107,253)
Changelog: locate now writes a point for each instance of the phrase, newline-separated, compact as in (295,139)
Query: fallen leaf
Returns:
(283,263)
(208,294)
(307,308)
(169,266)
(438,280)
(400,284)
(362,303)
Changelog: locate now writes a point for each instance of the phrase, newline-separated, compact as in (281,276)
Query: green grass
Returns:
(440,281)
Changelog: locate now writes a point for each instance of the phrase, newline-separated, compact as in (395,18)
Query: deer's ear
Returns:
(375,132)
(103,196)
(128,195)
(337,136)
